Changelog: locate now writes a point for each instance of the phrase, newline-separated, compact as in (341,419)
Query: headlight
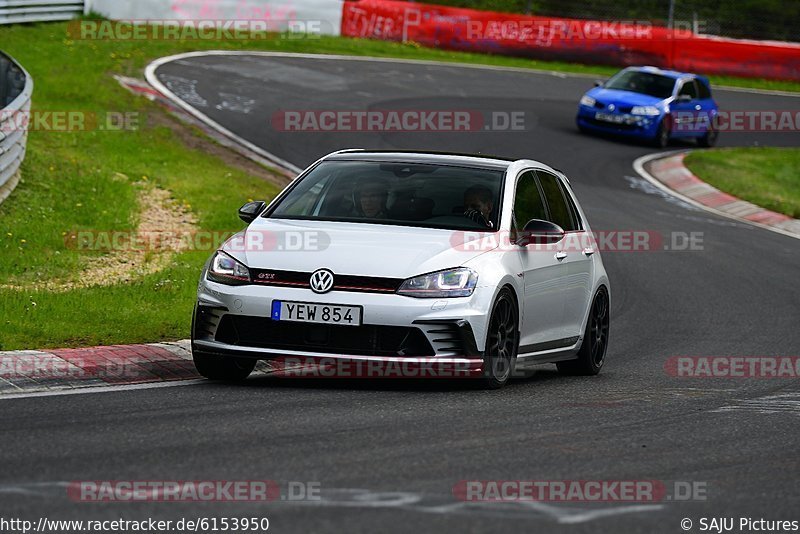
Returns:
(650,111)
(587,100)
(226,270)
(452,283)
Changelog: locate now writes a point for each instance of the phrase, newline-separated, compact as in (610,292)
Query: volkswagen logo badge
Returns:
(611,107)
(321,281)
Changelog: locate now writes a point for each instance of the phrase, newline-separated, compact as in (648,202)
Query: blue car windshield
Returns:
(645,83)
(405,194)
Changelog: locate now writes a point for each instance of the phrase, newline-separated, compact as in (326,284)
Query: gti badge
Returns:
(322,281)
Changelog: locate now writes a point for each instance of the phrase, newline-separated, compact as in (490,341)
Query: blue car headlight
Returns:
(587,100)
(650,111)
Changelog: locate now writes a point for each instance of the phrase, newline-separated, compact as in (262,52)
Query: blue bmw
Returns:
(653,105)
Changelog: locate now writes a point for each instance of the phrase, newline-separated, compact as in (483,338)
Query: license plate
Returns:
(309,312)
(607,117)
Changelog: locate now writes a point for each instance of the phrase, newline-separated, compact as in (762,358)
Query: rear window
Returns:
(408,194)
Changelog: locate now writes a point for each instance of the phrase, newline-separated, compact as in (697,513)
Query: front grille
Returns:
(365,340)
(341,282)
(613,125)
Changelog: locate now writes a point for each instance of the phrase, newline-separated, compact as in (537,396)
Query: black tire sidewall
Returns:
(488,379)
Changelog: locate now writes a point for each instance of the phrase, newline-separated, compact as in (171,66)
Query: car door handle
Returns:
(560,255)
(588,251)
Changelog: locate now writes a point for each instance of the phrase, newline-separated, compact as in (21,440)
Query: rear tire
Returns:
(710,138)
(502,342)
(223,368)
(592,354)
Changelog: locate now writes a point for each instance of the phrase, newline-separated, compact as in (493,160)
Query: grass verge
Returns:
(766,177)
(88,180)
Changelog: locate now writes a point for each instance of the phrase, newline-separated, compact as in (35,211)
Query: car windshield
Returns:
(407,194)
(646,83)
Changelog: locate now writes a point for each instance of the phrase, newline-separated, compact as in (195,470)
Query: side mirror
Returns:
(684,98)
(251,210)
(598,83)
(539,232)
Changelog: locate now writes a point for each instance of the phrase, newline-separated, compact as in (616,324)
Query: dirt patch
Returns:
(164,226)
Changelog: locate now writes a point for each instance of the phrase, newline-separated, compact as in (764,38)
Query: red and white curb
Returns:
(668,172)
(27,371)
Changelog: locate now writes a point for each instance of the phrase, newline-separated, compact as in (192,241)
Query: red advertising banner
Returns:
(617,42)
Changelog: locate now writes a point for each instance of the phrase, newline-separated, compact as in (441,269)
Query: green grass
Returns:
(86,180)
(764,176)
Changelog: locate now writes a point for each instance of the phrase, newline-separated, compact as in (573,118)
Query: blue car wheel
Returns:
(661,140)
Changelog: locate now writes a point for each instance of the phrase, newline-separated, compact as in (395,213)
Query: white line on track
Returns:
(102,389)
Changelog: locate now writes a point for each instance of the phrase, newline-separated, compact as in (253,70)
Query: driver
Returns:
(369,198)
(478,204)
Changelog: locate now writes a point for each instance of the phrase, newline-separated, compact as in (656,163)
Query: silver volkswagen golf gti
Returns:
(483,264)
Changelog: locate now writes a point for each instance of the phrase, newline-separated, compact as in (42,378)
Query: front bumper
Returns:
(644,127)
(236,321)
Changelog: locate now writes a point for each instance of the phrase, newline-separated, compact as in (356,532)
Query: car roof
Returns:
(429,157)
(668,73)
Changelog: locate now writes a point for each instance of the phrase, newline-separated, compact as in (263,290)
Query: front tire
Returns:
(592,354)
(502,342)
(223,368)
(661,140)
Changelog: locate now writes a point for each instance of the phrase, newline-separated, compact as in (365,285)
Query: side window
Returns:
(573,209)
(528,202)
(703,90)
(689,88)
(559,210)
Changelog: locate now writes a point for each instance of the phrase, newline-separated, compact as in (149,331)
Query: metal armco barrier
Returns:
(317,16)
(16,88)
(13,11)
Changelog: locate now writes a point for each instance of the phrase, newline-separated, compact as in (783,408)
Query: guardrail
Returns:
(16,89)
(13,11)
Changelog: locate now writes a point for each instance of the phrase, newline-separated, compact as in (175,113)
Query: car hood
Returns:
(623,98)
(360,249)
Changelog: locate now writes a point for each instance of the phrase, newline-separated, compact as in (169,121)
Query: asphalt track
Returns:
(387,455)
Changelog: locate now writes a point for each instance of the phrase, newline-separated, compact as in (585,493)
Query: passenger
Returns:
(370,197)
